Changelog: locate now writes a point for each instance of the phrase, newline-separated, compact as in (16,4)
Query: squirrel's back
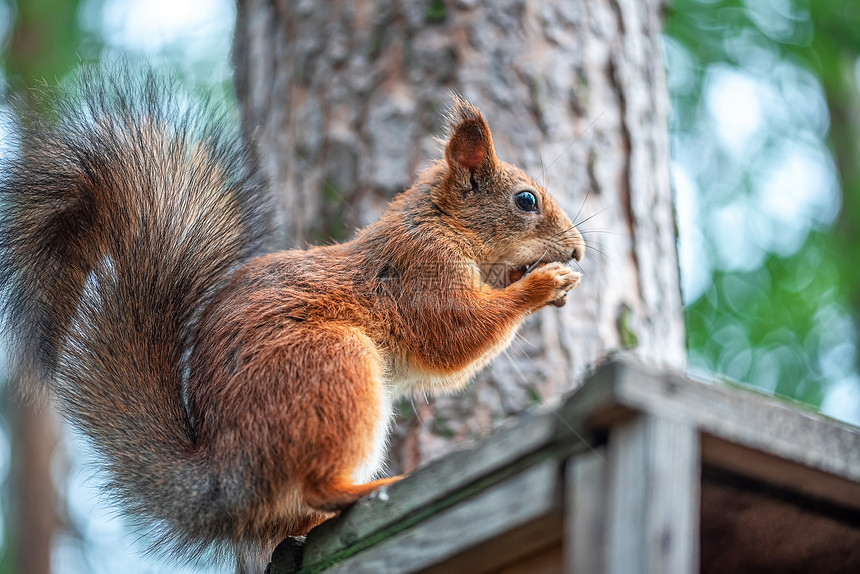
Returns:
(121,216)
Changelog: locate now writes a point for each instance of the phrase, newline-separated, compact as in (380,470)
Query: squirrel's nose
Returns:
(575,237)
(578,252)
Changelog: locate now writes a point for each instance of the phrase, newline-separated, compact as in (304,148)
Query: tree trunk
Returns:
(34,506)
(342,100)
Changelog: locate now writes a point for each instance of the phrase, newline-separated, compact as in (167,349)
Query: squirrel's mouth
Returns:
(517,272)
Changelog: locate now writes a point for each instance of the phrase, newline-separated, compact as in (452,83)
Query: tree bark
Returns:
(342,100)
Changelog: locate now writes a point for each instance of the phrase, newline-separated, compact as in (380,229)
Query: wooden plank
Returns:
(653,497)
(737,415)
(527,548)
(780,472)
(430,485)
(515,517)
(546,561)
(585,512)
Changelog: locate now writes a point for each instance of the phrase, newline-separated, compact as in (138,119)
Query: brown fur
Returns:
(293,359)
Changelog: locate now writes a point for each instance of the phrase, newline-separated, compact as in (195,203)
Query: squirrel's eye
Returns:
(526,201)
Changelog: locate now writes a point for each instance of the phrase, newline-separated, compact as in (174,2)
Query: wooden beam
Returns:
(497,526)
(740,416)
(653,497)
(780,472)
(585,513)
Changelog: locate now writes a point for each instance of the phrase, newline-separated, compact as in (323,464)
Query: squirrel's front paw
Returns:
(565,279)
(556,279)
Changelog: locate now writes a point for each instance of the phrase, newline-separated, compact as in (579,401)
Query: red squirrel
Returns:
(237,397)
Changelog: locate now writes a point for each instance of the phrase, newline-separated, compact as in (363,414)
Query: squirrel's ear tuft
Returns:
(469,144)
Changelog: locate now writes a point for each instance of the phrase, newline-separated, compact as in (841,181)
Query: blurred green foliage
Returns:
(44,42)
(788,321)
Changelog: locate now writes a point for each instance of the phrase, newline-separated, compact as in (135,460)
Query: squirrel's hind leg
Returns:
(330,496)
(348,415)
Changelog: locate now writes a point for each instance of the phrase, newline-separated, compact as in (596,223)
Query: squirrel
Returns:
(237,396)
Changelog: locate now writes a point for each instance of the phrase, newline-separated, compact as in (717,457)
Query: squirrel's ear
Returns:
(469,144)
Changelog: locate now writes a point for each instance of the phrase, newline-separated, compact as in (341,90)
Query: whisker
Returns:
(581,270)
(587,279)
(591,216)
(535,264)
(551,244)
(553,236)
(607,232)
(544,177)
(415,409)
(592,448)
(518,372)
(551,240)
(593,248)
(603,253)
(582,133)
(587,192)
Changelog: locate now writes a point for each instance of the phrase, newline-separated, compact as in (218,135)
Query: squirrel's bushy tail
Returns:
(121,216)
